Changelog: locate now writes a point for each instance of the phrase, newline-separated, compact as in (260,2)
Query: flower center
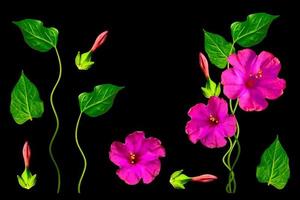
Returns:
(132,157)
(213,119)
(250,83)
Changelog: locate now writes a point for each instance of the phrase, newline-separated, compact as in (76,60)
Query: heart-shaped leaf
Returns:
(37,36)
(274,166)
(99,101)
(253,30)
(25,101)
(217,49)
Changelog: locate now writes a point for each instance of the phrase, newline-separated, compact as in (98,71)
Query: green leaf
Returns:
(26,180)
(217,49)
(178,179)
(36,35)
(99,101)
(253,30)
(25,101)
(274,166)
(21,182)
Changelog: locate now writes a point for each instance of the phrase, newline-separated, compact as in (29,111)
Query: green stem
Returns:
(82,154)
(231,185)
(57,121)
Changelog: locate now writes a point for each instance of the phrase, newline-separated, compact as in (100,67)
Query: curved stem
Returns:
(231,185)
(82,154)
(57,122)
(236,141)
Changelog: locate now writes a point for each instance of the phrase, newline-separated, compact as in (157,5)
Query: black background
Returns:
(152,50)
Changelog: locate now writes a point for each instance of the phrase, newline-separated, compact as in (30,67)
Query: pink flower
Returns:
(99,40)
(26,154)
(204,65)
(138,158)
(253,79)
(210,123)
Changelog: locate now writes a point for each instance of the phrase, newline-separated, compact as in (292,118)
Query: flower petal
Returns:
(252,100)
(195,131)
(153,145)
(233,82)
(269,64)
(134,141)
(218,107)
(119,154)
(272,88)
(228,126)
(199,111)
(243,60)
(150,171)
(214,138)
(131,175)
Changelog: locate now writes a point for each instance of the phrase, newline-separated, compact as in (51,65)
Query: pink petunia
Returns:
(210,123)
(253,79)
(138,158)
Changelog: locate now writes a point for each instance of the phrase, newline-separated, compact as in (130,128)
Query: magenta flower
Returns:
(253,79)
(138,158)
(211,123)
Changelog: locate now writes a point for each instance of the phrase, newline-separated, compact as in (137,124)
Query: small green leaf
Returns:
(26,180)
(99,101)
(178,179)
(36,35)
(217,49)
(253,30)
(21,182)
(211,89)
(25,101)
(84,61)
(274,166)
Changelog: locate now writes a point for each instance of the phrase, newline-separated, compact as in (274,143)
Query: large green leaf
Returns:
(217,49)
(25,101)
(36,35)
(99,101)
(274,166)
(253,30)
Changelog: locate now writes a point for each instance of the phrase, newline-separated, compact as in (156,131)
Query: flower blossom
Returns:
(137,158)
(253,79)
(211,124)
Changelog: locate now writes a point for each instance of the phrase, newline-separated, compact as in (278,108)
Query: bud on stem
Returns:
(205,178)
(204,65)
(99,40)
(26,154)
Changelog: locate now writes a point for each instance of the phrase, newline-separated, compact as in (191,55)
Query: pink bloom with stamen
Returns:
(210,124)
(26,154)
(99,41)
(137,158)
(253,79)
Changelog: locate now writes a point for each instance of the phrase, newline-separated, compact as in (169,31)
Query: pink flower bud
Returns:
(26,154)
(204,65)
(204,178)
(99,40)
